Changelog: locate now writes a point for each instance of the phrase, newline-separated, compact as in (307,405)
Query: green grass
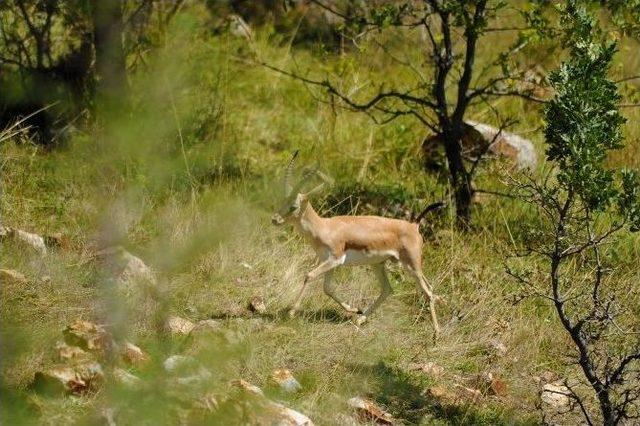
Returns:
(196,208)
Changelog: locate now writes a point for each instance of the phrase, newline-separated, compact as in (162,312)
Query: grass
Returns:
(189,186)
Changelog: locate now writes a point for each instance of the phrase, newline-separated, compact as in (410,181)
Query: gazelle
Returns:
(352,240)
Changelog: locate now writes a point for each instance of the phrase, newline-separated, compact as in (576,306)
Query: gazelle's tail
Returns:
(433,206)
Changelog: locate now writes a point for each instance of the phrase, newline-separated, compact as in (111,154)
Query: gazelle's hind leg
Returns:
(385,288)
(329,291)
(431,298)
(426,288)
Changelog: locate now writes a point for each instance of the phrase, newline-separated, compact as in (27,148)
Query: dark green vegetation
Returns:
(186,173)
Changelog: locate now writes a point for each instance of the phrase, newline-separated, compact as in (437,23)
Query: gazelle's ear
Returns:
(326,180)
(315,190)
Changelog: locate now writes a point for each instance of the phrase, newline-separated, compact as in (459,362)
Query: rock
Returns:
(248,387)
(479,138)
(490,384)
(443,395)
(285,380)
(136,270)
(11,276)
(468,394)
(289,417)
(35,241)
(547,377)
(187,370)
(429,368)
(555,394)
(200,376)
(126,267)
(133,355)
(88,336)
(178,326)
(176,362)
(496,347)
(208,325)
(518,150)
(461,394)
(125,378)
(368,411)
(274,413)
(68,353)
(257,305)
(78,379)
(238,27)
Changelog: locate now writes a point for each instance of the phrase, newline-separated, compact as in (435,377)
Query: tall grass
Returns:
(186,176)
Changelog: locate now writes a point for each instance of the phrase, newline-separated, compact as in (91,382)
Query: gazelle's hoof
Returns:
(350,309)
(361,320)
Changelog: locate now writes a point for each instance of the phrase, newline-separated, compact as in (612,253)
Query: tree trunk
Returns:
(459,177)
(110,58)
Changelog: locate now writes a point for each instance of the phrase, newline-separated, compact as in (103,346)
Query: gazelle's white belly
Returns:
(369,257)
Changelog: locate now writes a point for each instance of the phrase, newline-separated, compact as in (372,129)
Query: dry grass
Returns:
(213,248)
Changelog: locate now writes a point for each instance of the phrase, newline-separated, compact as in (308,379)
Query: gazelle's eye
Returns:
(292,208)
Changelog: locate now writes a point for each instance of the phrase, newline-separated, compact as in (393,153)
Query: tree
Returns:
(452,31)
(107,39)
(53,50)
(583,207)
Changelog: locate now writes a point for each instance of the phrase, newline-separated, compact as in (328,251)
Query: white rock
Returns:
(238,27)
(132,354)
(35,241)
(509,145)
(248,387)
(70,353)
(125,378)
(290,417)
(202,375)
(555,394)
(177,325)
(126,267)
(479,138)
(12,276)
(78,379)
(175,362)
(207,325)
(88,336)
(257,305)
(276,413)
(285,380)
(368,411)
(429,368)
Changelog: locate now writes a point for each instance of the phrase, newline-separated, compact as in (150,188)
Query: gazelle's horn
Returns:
(326,180)
(288,172)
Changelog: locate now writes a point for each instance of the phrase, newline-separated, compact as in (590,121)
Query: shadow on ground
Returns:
(405,397)
(326,315)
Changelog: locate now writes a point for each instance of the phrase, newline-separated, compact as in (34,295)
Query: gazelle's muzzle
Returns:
(276,219)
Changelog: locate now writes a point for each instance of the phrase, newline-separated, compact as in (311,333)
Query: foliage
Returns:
(584,205)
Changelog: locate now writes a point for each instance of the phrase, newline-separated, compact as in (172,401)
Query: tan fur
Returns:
(365,237)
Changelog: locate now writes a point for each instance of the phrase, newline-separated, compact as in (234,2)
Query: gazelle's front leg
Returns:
(329,291)
(385,288)
(323,268)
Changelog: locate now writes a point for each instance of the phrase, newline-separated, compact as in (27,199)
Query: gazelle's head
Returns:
(294,199)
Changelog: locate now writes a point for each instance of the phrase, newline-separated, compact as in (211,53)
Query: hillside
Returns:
(187,180)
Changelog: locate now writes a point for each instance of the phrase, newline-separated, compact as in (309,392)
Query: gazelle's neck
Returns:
(309,223)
